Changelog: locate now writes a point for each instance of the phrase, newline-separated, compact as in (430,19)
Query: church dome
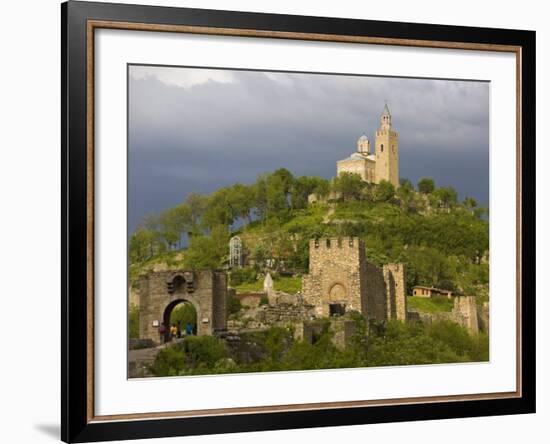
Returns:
(363,138)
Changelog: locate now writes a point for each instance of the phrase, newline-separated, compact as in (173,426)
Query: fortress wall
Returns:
(465,313)
(394,276)
(208,294)
(220,303)
(334,274)
(377,302)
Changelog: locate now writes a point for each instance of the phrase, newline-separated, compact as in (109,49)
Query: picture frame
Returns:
(80,21)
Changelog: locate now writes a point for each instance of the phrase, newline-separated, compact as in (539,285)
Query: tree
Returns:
(141,246)
(426,185)
(384,191)
(218,211)
(276,196)
(175,222)
(470,204)
(208,252)
(303,186)
(286,177)
(445,197)
(240,199)
(197,205)
(349,186)
(406,195)
(260,196)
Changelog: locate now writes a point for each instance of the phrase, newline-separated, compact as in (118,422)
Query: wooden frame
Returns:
(79,21)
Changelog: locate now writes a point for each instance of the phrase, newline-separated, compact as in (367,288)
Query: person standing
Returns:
(162,332)
(189,329)
(173,332)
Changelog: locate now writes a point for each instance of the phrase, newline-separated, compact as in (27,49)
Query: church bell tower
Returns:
(387,150)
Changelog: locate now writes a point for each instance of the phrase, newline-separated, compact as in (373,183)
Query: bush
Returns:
(168,362)
(203,350)
(240,276)
(235,306)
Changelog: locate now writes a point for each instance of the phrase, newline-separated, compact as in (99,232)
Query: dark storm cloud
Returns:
(198,130)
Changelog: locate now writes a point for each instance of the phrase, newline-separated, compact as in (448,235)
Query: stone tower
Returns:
(336,279)
(340,279)
(387,150)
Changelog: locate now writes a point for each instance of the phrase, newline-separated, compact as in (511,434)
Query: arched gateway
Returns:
(159,292)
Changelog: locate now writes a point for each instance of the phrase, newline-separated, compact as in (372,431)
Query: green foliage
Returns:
(240,276)
(133,321)
(140,246)
(264,300)
(203,351)
(303,186)
(429,305)
(470,347)
(207,251)
(168,362)
(440,241)
(349,185)
(183,314)
(288,284)
(250,287)
(235,305)
(408,344)
(444,197)
(389,343)
(384,191)
(426,185)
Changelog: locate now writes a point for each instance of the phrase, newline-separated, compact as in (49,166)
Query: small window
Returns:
(382,148)
(328,243)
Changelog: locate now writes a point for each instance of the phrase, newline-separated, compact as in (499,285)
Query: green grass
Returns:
(429,305)
(249,287)
(291,285)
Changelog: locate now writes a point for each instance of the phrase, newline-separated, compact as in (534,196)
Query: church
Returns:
(383,162)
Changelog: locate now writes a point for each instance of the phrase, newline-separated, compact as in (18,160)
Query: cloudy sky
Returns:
(196,129)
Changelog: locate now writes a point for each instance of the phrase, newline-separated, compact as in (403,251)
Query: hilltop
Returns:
(441,241)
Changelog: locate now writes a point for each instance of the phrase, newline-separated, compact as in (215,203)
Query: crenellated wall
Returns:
(336,275)
(340,274)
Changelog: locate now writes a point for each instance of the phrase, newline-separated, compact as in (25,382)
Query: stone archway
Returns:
(169,310)
(205,290)
(337,299)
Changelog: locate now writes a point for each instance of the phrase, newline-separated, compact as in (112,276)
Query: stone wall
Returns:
(340,274)
(377,302)
(251,300)
(483,317)
(335,276)
(464,313)
(394,277)
(285,314)
(159,292)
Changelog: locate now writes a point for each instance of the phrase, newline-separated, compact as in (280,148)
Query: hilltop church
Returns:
(383,162)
